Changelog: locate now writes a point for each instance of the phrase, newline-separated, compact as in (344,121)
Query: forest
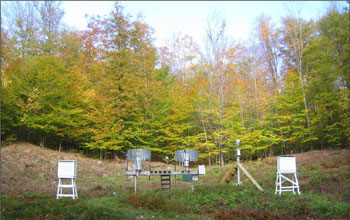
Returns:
(108,89)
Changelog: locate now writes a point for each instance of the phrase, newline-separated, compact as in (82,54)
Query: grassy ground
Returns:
(29,187)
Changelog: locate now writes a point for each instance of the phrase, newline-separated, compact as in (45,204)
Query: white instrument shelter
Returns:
(287,173)
(286,164)
(67,171)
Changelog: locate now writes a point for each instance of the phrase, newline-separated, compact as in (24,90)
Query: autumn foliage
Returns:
(107,89)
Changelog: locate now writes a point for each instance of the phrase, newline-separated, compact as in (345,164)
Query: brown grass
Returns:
(328,162)
(29,168)
(324,156)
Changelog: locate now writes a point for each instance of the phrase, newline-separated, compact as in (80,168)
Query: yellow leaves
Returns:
(231,67)
(32,104)
(5,81)
(19,22)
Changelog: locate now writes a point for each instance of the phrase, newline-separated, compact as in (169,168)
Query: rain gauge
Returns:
(184,157)
(137,155)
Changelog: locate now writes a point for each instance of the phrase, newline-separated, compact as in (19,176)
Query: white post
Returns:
(280,183)
(75,187)
(238,161)
(238,169)
(58,188)
(73,190)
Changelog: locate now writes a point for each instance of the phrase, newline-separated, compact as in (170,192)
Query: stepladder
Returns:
(286,176)
(66,175)
(165,181)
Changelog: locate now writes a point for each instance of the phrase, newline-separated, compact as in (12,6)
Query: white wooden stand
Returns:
(287,173)
(66,174)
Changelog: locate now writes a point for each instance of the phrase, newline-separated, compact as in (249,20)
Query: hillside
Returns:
(29,176)
(30,168)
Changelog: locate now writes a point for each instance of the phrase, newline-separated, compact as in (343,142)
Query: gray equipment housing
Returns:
(138,155)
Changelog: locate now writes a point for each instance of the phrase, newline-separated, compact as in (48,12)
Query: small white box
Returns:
(194,178)
(201,169)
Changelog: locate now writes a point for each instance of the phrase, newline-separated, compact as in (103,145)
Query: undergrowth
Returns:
(324,187)
(206,202)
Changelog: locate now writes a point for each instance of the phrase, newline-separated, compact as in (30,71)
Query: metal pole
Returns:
(175,171)
(238,169)
(135,177)
(150,168)
(238,161)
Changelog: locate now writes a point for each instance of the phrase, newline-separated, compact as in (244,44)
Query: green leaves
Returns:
(106,89)
(45,98)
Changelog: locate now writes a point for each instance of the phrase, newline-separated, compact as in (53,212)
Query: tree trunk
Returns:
(206,140)
(116,158)
(42,144)
(221,114)
(271,151)
(242,114)
(222,163)
(349,112)
(348,87)
(28,135)
(204,130)
(299,54)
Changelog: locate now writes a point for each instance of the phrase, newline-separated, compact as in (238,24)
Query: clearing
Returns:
(29,189)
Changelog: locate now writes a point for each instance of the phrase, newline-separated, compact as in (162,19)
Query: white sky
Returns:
(190,17)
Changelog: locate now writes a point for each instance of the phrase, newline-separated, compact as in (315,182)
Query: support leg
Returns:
(297,182)
(58,188)
(135,178)
(276,184)
(238,176)
(75,188)
(61,190)
(293,184)
(280,183)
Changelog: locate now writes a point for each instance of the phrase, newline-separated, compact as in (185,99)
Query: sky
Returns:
(190,17)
